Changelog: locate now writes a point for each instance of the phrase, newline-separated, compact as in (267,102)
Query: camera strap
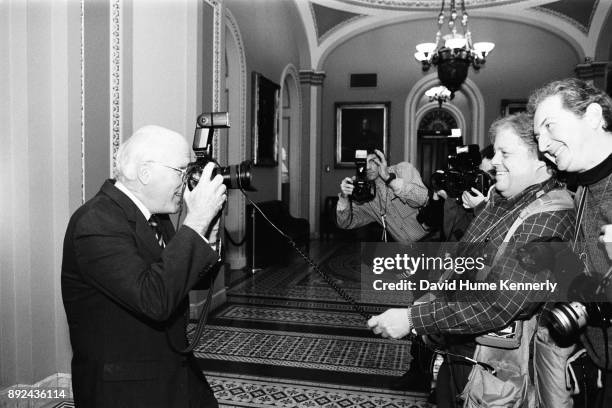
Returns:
(331,282)
(582,254)
(201,324)
(384,225)
(579,215)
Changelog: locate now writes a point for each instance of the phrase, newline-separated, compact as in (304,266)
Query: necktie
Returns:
(154,223)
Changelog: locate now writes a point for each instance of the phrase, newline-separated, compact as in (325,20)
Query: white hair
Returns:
(147,143)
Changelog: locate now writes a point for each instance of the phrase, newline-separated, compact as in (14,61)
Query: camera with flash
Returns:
(234,176)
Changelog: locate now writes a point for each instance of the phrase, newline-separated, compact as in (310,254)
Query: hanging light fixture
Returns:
(453,53)
(440,94)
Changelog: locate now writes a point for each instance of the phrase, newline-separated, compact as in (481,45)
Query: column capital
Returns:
(589,69)
(311,77)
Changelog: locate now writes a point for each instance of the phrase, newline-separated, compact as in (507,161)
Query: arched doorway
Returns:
(290,140)
(438,135)
(471,122)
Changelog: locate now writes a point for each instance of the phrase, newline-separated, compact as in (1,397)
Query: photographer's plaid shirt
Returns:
(460,312)
(400,209)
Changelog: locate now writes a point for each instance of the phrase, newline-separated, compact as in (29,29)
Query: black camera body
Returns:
(588,307)
(462,173)
(234,176)
(587,304)
(364,190)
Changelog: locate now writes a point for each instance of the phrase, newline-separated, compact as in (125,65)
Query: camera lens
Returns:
(568,318)
(234,176)
(237,175)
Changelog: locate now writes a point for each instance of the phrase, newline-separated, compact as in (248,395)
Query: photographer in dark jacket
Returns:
(573,126)
(126,276)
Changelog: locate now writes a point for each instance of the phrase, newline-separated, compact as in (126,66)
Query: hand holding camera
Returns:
(205,201)
(382,164)
(473,198)
(347,187)
(363,189)
(462,173)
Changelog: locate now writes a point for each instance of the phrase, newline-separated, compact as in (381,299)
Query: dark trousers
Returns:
(422,356)
(591,396)
(453,375)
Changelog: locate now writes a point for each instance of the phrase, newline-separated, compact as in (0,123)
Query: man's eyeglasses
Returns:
(183,172)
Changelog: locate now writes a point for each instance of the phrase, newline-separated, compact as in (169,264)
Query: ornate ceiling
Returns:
(331,22)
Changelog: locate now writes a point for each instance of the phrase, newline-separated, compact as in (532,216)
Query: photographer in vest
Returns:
(573,126)
(512,216)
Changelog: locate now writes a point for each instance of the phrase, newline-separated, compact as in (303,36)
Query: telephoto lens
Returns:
(567,319)
(237,176)
(587,306)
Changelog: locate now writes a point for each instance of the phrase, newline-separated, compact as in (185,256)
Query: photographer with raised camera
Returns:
(394,194)
(517,213)
(573,126)
(460,208)
(126,275)
(474,199)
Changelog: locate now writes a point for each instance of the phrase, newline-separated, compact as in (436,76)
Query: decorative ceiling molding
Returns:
(375,14)
(339,27)
(568,10)
(327,20)
(422,4)
(560,9)
(563,17)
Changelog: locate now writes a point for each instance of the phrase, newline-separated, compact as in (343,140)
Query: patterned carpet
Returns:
(285,338)
(345,354)
(254,391)
(251,313)
(299,281)
(249,391)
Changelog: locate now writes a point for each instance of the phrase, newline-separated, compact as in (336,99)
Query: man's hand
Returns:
(380,160)
(440,193)
(606,238)
(347,187)
(473,199)
(205,201)
(393,323)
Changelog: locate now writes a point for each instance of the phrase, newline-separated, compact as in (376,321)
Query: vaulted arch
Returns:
(413,112)
(290,129)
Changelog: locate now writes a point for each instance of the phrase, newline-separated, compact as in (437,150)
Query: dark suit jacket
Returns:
(122,293)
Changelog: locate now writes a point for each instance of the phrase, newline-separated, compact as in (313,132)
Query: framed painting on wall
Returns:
(265,119)
(360,126)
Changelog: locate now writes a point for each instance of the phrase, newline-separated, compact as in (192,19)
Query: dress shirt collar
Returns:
(144,210)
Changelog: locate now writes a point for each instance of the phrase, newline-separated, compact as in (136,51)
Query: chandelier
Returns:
(454,52)
(438,93)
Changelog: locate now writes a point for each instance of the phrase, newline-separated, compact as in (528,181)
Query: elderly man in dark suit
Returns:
(125,278)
